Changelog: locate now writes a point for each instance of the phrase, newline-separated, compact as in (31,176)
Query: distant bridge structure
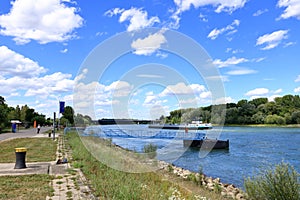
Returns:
(124,121)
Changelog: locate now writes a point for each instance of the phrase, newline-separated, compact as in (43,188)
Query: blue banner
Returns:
(61,106)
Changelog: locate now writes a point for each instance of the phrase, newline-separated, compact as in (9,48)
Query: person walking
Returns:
(38,129)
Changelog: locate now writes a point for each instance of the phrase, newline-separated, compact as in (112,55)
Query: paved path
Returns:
(31,132)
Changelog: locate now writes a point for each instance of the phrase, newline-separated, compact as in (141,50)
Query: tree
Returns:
(271,108)
(11,113)
(288,101)
(232,115)
(274,119)
(162,119)
(259,101)
(3,113)
(2,100)
(288,118)
(297,101)
(23,113)
(30,114)
(176,113)
(63,121)
(230,105)
(88,119)
(247,109)
(296,117)
(40,119)
(69,114)
(78,119)
(49,121)
(258,118)
(17,113)
(241,102)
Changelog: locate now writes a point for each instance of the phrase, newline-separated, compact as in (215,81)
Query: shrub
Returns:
(281,183)
(275,119)
(150,149)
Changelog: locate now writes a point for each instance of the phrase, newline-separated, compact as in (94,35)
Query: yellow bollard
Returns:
(20,158)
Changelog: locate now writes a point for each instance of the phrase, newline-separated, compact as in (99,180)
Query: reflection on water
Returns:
(251,148)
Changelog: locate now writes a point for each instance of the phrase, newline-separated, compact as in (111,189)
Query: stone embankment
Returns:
(226,190)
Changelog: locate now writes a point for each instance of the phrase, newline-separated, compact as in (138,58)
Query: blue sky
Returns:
(46,49)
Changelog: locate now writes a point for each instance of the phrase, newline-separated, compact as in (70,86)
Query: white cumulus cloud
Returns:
(50,84)
(149,44)
(137,18)
(297,90)
(20,76)
(272,40)
(230,61)
(260,12)
(231,28)
(181,89)
(297,79)
(14,64)
(178,89)
(224,100)
(40,20)
(221,5)
(257,92)
(292,8)
(241,71)
(264,92)
(119,88)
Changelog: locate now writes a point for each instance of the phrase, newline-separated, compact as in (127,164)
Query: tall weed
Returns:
(281,183)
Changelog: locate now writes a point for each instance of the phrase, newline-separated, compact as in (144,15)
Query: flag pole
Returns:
(61,110)
(54,126)
(58,116)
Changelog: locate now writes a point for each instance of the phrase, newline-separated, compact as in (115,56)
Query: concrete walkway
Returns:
(23,133)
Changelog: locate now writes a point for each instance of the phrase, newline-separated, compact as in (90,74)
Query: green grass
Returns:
(109,183)
(25,187)
(38,149)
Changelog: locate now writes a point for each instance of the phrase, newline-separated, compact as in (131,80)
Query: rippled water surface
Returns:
(251,148)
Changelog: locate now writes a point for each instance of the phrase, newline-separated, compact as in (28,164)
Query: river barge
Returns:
(207,144)
(195,125)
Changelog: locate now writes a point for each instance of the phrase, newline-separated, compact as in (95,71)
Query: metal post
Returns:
(54,116)
(58,121)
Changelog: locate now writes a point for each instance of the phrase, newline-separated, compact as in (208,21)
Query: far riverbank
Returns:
(260,125)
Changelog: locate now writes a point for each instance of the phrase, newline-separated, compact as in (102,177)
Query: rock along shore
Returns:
(212,184)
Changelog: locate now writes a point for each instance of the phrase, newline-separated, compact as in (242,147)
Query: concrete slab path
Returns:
(24,133)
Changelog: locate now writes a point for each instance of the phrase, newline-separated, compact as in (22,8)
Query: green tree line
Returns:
(69,118)
(281,111)
(28,115)
(25,114)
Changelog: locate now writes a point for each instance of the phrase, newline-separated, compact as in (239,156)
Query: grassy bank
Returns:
(38,149)
(109,183)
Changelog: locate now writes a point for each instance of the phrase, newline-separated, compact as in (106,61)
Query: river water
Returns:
(251,149)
